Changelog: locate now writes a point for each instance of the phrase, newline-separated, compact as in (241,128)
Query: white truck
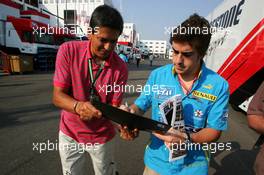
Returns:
(236,49)
(20,29)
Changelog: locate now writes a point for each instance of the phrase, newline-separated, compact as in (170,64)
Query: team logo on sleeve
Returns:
(203,95)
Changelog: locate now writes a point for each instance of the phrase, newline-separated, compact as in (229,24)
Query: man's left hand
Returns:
(172,136)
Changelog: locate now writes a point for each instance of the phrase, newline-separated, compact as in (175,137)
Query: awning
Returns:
(125,43)
(25,24)
(34,12)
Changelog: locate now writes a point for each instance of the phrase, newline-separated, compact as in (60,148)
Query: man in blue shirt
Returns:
(204,100)
(123,56)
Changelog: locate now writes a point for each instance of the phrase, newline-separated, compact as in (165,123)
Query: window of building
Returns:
(98,0)
(40,1)
(27,37)
(150,42)
(70,16)
(45,1)
(44,39)
(31,2)
(150,46)
(80,1)
(52,1)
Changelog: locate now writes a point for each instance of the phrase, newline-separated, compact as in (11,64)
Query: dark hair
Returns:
(196,31)
(106,16)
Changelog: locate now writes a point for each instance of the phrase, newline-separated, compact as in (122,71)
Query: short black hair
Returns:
(196,31)
(106,16)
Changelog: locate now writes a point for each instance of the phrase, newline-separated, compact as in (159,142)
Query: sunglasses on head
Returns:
(185,54)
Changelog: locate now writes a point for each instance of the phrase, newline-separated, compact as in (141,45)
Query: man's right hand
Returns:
(125,132)
(87,111)
(127,109)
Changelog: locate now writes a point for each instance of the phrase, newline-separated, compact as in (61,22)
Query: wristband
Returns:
(189,137)
(75,106)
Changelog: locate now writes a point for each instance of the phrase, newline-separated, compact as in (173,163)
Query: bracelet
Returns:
(75,106)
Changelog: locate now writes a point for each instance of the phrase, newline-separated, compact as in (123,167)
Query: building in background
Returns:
(128,40)
(75,14)
(128,37)
(157,47)
(170,53)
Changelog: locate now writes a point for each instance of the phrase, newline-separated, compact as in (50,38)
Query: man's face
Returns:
(185,58)
(103,42)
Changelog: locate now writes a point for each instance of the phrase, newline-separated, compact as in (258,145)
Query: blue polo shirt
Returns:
(123,57)
(206,106)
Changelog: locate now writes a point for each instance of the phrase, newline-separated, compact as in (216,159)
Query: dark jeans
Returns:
(138,61)
(259,163)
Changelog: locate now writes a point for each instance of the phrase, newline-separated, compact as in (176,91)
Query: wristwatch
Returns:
(189,139)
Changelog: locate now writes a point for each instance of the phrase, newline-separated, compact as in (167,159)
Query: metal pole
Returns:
(57,1)
(66,13)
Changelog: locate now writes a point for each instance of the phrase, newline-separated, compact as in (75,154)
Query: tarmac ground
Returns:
(28,118)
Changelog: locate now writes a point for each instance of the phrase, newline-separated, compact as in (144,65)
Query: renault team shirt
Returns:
(205,106)
(72,71)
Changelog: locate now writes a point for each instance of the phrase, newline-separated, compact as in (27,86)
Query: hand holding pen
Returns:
(125,132)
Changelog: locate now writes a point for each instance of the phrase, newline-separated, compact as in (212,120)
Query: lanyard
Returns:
(93,79)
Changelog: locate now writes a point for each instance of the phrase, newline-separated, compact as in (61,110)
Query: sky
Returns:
(153,17)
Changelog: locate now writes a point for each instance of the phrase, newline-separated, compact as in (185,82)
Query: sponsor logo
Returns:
(198,113)
(209,86)
(165,92)
(205,96)
(225,117)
